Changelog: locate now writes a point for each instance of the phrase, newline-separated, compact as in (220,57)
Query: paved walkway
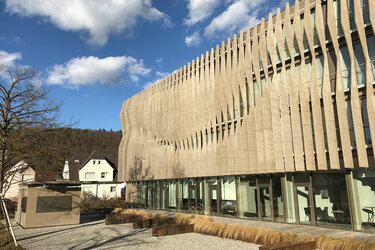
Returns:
(294,228)
(97,235)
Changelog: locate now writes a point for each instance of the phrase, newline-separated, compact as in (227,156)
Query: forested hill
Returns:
(53,147)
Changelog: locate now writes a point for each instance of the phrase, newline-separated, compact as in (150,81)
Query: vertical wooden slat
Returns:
(292,145)
(370,98)
(251,123)
(340,98)
(327,93)
(303,96)
(275,103)
(266,107)
(314,94)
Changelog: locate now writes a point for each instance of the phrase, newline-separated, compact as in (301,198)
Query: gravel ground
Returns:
(97,235)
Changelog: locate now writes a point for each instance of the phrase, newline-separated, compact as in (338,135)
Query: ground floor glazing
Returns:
(341,199)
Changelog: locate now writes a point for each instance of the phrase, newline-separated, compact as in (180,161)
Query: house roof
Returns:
(99,156)
(75,162)
(78,161)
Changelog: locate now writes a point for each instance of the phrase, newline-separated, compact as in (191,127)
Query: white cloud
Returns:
(161,74)
(91,70)
(159,60)
(238,15)
(97,17)
(200,10)
(9,58)
(193,40)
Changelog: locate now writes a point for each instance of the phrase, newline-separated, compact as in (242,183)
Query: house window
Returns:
(89,175)
(98,162)
(27,177)
(104,174)
(113,189)
(93,162)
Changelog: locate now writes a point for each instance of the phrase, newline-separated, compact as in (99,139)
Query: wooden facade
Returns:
(271,100)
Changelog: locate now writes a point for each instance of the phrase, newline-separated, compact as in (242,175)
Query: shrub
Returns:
(90,203)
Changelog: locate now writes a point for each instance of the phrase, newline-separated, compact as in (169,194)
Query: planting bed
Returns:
(163,225)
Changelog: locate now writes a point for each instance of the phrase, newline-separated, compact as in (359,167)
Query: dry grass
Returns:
(182,219)
(143,215)
(205,225)
(329,242)
(127,211)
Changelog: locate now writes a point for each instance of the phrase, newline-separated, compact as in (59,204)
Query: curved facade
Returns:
(291,97)
(261,103)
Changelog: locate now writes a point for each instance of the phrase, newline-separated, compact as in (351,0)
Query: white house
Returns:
(98,175)
(19,173)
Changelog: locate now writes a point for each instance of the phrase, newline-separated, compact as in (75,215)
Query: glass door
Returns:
(305,213)
(265,202)
(213,199)
(192,196)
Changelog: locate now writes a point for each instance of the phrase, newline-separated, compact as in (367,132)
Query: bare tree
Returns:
(26,111)
(139,172)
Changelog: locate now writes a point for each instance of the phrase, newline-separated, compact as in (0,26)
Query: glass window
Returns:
(248,197)
(360,64)
(213,195)
(27,177)
(351,123)
(103,174)
(364,181)
(278,201)
(351,14)
(228,196)
(319,72)
(371,49)
(331,200)
(113,189)
(336,6)
(345,66)
(366,124)
(89,175)
(365,11)
(172,194)
(256,91)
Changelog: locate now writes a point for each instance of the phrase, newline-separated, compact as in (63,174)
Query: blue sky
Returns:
(94,54)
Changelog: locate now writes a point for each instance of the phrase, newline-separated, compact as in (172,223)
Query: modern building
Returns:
(277,124)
